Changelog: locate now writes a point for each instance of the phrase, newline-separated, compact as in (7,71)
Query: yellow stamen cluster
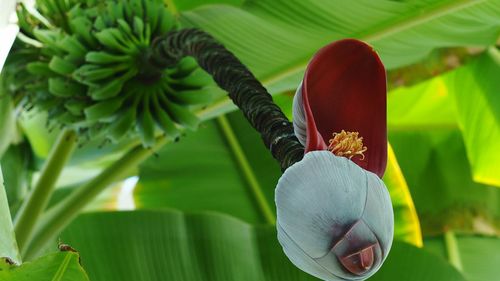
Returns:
(347,144)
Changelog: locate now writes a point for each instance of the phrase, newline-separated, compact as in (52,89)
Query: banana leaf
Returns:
(172,245)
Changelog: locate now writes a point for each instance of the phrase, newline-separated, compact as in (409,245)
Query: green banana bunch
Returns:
(89,69)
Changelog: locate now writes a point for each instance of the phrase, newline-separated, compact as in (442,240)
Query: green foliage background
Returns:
(204,205)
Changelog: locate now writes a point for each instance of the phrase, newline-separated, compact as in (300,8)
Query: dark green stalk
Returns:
(243,88)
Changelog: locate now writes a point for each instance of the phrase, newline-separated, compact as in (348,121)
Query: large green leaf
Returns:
(465,98)
(8,244)
(425,106)
(476,88)
(276,39)
(475,253)
(435,166)
(171,245)
(63,266)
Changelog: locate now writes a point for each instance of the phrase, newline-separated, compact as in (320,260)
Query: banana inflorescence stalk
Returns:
(243,88)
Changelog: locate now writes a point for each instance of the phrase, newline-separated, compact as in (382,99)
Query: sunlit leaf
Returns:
(465,98)
(424,106)
(475,88)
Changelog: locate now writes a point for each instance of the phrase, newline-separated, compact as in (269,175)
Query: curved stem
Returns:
(38,199)
(243,88)
(60,215)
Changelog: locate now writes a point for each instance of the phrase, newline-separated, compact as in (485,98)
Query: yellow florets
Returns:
(347,144)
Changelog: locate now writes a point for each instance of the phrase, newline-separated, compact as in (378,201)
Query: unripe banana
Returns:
(100,24)
(163,120)
(82,27)
(139,28)
(67,118)
(106,91)
(192,97)
(106,58)
(180,114)
(111,88)
(115,10)
(61,66)
(50,38)
(61,87)
(76,107)
(127,31)
(89,74)
(113,39)
(184,68)
(195,80)
(40,68)
(104,110)
(145,125)
(119,128)
(73,46)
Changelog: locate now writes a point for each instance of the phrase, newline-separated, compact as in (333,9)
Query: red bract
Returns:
(344,88)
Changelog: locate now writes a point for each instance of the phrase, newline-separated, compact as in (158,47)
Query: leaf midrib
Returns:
(377,33)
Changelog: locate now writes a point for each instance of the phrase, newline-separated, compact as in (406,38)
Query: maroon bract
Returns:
(344,88)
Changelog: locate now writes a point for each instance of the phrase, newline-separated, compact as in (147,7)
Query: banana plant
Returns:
(126,72)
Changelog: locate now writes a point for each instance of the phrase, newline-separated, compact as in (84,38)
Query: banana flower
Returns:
(334,213)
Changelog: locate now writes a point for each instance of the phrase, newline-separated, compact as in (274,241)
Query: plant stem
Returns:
(243,88)
(60,215)
(451,244)
(248,173)
(37,200)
